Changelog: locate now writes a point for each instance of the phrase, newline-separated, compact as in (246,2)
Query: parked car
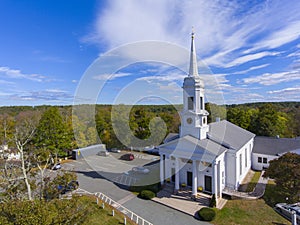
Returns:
(128,157)
(115,150)
(103,153)
(57,166)
(140,169)
(71,186)
(286,210)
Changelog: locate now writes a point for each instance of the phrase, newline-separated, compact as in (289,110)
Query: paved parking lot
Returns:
(109,175)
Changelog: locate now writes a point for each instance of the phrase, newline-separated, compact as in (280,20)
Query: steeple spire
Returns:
(193,58)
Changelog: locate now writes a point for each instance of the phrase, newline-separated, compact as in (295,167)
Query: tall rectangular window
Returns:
(241,169)
(190,103)
(246,157)
(201,103)
(265,160)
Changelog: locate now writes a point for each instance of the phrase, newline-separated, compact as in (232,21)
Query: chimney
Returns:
(218,119)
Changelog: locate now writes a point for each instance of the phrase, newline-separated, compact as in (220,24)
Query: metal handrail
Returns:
(133,216)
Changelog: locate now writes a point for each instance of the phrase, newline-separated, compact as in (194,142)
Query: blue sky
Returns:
(250,49)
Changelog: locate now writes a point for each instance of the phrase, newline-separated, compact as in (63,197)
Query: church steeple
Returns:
(193,58)
(193,115)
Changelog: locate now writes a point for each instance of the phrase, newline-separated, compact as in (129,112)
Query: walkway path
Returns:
(258,192)
(182,201)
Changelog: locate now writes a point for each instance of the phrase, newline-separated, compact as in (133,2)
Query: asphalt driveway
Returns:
(110,175)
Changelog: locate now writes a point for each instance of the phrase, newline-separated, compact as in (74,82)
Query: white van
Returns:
(103,153)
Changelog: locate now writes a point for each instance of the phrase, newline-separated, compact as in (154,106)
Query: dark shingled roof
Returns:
(222,136)
(190,147)
(229,135)
(275,146)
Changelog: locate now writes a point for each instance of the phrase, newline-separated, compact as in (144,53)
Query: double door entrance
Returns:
(189,177)
(189,180)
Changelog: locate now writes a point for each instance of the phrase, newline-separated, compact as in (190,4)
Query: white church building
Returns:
(204,156)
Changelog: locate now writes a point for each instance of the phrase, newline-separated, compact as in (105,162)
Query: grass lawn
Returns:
(251,185)
(104,216)
(248,212)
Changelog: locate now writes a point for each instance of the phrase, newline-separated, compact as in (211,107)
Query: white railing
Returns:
(134,217)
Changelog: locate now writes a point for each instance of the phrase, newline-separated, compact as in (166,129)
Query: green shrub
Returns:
(207,214)
(147,194)
(152,187)
(213,201)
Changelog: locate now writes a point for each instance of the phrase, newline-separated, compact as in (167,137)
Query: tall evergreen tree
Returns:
(52,133)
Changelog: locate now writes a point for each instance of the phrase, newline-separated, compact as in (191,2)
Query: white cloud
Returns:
(290,90)
(224,29)
(283,36)
(252,68)
(46,96)
(294,54)
(250,57)
(111,76)
(273,78)
(17,74)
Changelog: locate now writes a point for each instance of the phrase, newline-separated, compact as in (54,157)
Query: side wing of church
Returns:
(208,157)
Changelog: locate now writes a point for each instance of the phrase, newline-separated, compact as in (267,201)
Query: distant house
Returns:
(8,153)
(268,148)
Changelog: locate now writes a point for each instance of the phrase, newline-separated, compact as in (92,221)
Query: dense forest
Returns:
(63,128)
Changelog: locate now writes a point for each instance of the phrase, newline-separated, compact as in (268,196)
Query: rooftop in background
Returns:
(276,146)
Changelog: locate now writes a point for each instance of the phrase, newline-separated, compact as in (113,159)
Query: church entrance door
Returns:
(189,178)
(173,175)
(208,183)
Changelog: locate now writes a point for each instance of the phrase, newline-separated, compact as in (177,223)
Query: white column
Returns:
(215,181)
(195,178)
(161,167)
(176,174)
(220,180)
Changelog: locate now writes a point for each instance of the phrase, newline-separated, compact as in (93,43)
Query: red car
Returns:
(127,157)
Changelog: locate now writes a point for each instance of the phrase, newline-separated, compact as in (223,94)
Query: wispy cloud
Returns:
(273,78)
(17,74)
(111,76)
(278,38)
(294,54)
(290,90)
(248,58)
(228,33)
(252,68)
(48,96)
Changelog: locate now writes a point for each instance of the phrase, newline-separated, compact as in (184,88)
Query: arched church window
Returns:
(201,103)
(190,103)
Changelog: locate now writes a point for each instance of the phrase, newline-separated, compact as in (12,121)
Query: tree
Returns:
(269,122)
(6,128)
(25,127)
(52,133)
(286,172)
(41,157)
(240,117)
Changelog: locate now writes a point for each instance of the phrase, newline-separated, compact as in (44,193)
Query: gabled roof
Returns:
(275,146)
(229,135)
(192,148)
(171,136)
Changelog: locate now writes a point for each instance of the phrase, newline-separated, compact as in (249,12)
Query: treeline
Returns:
(62,128)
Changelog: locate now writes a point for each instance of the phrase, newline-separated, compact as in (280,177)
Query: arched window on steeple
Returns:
(190,103)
